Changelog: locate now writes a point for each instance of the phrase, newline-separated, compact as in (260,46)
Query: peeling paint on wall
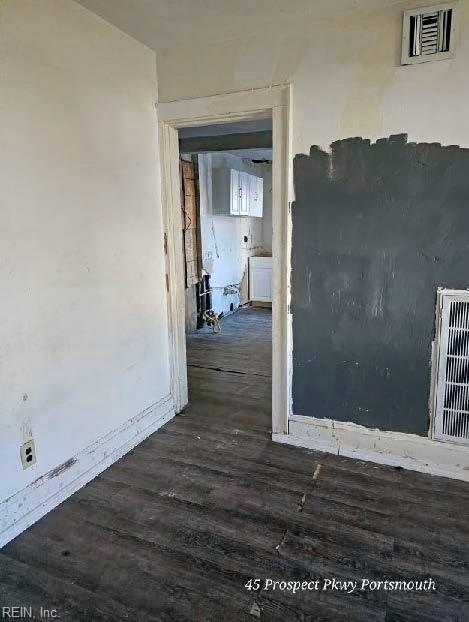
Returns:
(377,228)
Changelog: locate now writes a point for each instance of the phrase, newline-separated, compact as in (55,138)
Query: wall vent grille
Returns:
(451,405)
(428,34)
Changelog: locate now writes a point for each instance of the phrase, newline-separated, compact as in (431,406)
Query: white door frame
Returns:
(272,102)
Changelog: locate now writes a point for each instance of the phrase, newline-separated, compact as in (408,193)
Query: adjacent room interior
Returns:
(226,202)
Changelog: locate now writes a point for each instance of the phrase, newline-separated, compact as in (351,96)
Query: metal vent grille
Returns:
(452,383)
(428,34)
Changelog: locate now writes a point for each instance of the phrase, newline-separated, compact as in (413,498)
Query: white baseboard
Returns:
(27,506)
(416,453)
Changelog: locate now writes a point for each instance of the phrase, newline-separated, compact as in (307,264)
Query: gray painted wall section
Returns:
(377,228)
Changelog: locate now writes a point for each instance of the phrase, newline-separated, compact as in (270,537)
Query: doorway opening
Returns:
(244,106)
(226,204)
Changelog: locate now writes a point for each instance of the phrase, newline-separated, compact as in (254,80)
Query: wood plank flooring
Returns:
(176,528)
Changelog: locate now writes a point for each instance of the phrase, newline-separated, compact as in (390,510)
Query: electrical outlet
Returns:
(28,454)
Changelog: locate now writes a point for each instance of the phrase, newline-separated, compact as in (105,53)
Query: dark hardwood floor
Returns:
(175,529)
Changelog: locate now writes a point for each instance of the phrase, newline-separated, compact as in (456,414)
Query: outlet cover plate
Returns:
(28,454)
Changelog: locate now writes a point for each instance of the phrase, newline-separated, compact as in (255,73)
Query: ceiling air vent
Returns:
(451,386)
(428,34)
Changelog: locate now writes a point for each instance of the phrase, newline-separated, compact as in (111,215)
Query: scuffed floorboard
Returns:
(175,529)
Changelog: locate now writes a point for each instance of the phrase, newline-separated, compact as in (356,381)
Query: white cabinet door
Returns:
(252,194)
(260,279)
(255,196)
(235,190)
(260,197)
(244,195)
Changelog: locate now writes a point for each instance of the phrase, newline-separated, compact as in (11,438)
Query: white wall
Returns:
(224,252)
(344,70)
(83,341)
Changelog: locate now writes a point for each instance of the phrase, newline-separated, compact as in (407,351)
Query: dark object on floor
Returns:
(204,299)
(211,319)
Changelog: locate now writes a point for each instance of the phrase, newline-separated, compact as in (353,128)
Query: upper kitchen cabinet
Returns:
(236,193)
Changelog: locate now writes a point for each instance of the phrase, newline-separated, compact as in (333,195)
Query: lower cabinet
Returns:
(260,279)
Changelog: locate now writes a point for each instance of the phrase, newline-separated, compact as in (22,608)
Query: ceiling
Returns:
(163,24)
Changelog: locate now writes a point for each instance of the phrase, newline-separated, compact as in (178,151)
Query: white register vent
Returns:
(428,34)
(451,398)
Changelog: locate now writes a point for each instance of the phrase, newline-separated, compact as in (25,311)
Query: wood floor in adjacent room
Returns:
(175,529)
